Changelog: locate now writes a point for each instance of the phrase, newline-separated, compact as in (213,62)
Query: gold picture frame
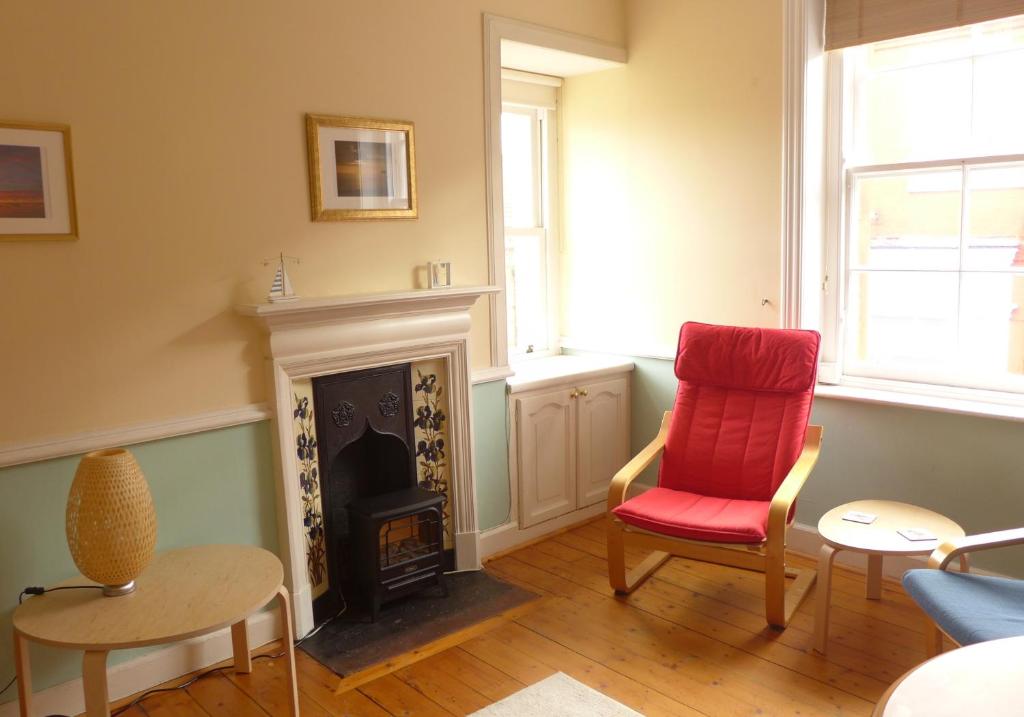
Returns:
(361,168)
(37,188)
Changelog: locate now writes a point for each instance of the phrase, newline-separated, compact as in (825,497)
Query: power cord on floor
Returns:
(508,449)
(195,678)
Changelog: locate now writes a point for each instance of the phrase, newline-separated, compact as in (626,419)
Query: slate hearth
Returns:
(352,642)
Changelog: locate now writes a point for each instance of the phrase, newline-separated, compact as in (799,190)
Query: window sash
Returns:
(955,376)
(545,164)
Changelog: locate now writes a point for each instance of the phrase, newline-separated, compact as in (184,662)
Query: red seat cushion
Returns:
(682,514)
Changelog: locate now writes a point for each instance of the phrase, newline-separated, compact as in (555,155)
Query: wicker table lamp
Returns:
(111,522)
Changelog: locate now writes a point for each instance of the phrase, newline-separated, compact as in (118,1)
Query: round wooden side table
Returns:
(181,594)
(877,540)
(980,679)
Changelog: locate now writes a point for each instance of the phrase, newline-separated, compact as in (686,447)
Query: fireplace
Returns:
(307,339)
(368,486)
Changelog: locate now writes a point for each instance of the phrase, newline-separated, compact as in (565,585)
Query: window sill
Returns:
(942,404)
(555,371)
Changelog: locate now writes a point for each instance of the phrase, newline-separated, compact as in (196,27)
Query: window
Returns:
(528,157)
(931,246)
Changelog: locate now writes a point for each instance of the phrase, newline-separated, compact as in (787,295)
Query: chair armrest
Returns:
(782,501)
(945,553)
(627,474)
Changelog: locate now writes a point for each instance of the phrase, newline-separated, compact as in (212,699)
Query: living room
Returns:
(568,183)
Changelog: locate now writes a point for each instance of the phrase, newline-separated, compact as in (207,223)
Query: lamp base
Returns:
(118,590)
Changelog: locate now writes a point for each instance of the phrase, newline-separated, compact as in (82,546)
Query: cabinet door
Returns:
(603,437)
(546,430)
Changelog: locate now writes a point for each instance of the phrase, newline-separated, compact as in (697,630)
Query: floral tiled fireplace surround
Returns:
(421,408)
(309,338)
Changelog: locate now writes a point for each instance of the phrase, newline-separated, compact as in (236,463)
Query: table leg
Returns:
(874,589)
(23,671)
(287,638)
(240,647)
(965,564)
(94,683)
(821,610)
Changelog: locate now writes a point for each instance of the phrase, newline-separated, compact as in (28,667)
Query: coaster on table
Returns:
(916,534)
(855,516)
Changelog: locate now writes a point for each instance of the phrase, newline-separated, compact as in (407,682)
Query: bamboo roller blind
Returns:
(856,22)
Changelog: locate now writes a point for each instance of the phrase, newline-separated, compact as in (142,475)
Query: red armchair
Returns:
(735,451)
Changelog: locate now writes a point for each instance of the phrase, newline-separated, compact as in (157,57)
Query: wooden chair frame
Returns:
(949,551)
(768,557)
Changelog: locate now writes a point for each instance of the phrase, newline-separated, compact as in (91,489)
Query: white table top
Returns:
(181,594)
(881,536)
(983,679)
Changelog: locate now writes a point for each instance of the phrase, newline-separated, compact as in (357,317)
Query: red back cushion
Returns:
(741,411)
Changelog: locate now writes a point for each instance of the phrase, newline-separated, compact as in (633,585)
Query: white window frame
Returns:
(816,190)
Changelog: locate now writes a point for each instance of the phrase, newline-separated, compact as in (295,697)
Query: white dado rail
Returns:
(318,337)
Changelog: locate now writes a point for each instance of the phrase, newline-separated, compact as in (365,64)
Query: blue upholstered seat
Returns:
(969,608)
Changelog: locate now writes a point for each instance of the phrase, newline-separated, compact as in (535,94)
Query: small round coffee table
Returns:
(183,593)
(876,540)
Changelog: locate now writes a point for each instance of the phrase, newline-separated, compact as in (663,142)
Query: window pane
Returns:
(913,113)
(526,282)
(909,220)
(519,168)
(992,328)
(999,104)
(996,219)
(902,322)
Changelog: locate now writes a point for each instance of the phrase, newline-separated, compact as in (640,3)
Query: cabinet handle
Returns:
(574,393)
(583,392)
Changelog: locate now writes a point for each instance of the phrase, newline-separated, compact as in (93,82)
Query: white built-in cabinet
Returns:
(570,435)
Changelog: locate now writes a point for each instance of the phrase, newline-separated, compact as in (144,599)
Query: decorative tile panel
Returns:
(309,482)
(430,406)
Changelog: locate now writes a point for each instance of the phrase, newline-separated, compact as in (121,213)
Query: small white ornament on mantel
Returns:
(281,289)
(439,274)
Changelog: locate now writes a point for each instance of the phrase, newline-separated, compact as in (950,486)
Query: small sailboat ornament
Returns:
(281,289)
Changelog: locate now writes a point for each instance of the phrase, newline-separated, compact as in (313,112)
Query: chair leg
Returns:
(780,603)
(624,582)
(932,638)
(775,593)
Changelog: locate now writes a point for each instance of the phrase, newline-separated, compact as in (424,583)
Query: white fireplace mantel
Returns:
(321,336)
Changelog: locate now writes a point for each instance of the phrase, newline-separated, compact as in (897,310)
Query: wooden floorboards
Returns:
(691,641)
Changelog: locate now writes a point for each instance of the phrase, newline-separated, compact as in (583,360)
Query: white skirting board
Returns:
(508,536)
(151,669)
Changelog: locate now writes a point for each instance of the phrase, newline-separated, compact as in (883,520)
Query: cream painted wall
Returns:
(673,175)
(190,164)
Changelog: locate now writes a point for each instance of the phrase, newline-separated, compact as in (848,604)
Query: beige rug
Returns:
(557,696)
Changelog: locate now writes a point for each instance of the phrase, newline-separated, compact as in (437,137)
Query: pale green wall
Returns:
(490,442)
(966,467)
(213,487)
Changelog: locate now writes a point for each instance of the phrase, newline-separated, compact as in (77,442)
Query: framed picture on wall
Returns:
(37,191)
(361,168)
